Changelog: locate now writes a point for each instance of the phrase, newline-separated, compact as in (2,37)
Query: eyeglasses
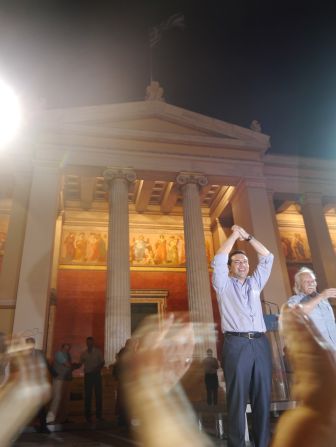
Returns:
(243,261)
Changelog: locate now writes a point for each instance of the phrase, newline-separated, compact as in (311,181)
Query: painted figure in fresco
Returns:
(139,248)
(2,241)
(181,250)
(131,250)
(172,252)
(91,245)
(95,248)
(287,249)
(160,256)
(299,247)
(149,253)
(101,248)
(81,246)
(70,249)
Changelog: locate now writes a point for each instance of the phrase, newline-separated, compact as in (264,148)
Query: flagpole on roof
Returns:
(156,32)
(150,64)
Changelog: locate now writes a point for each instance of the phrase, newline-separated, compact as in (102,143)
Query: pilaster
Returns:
(252,210)
(323,257)
(32,305)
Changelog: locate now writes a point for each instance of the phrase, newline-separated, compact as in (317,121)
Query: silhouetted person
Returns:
(210,365)
(93,361)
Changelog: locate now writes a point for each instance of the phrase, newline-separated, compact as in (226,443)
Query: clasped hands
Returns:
(242,234)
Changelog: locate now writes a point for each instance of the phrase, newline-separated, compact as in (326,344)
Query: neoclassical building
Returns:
(112,212)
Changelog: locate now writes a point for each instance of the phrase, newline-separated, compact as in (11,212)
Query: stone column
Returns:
(199,295)
(319,240)
(251,209)
(32,305)
(13,250)
(118,307)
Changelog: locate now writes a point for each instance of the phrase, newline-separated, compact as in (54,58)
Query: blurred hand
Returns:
(155,360)
(160,355)
(328,293)
(24,393)
(312,423)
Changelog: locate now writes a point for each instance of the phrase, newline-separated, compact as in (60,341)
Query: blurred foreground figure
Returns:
(152,367)
(25,391)
(159,358)
(312,423)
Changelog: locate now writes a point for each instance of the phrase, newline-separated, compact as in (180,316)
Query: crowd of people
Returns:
(150,365)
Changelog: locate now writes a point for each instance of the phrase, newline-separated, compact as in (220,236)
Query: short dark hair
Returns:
(235,252)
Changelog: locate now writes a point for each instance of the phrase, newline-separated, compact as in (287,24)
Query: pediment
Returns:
(152,120)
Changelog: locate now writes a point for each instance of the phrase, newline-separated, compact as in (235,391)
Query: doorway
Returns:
(145,303)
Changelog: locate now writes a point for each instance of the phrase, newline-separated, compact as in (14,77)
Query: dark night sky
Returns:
(236,60)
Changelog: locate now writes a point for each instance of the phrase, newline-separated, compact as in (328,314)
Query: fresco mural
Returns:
(83,247)
(333,240)
(295,245)
(164,249)
(4,220)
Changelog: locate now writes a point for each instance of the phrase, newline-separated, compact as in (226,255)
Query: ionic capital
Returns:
(110,174)
(196,178)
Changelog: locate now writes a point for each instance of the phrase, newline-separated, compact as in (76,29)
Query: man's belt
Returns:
(248,335)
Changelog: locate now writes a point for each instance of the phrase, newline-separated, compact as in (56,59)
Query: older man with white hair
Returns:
(315,304)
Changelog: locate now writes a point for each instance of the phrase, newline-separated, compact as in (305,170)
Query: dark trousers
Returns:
(92,381)
(42,416)
(211,383)
(247,368)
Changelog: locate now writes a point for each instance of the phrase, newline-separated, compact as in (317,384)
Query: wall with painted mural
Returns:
(4,221)
(331,223)
(81,247)
(293,235)
(295,245)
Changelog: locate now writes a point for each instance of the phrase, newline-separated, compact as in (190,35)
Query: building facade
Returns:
(111,212)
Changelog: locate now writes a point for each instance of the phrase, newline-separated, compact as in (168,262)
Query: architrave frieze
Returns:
(299,175)
(229,170)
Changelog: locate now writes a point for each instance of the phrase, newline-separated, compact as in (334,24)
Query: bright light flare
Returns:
(10,114)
